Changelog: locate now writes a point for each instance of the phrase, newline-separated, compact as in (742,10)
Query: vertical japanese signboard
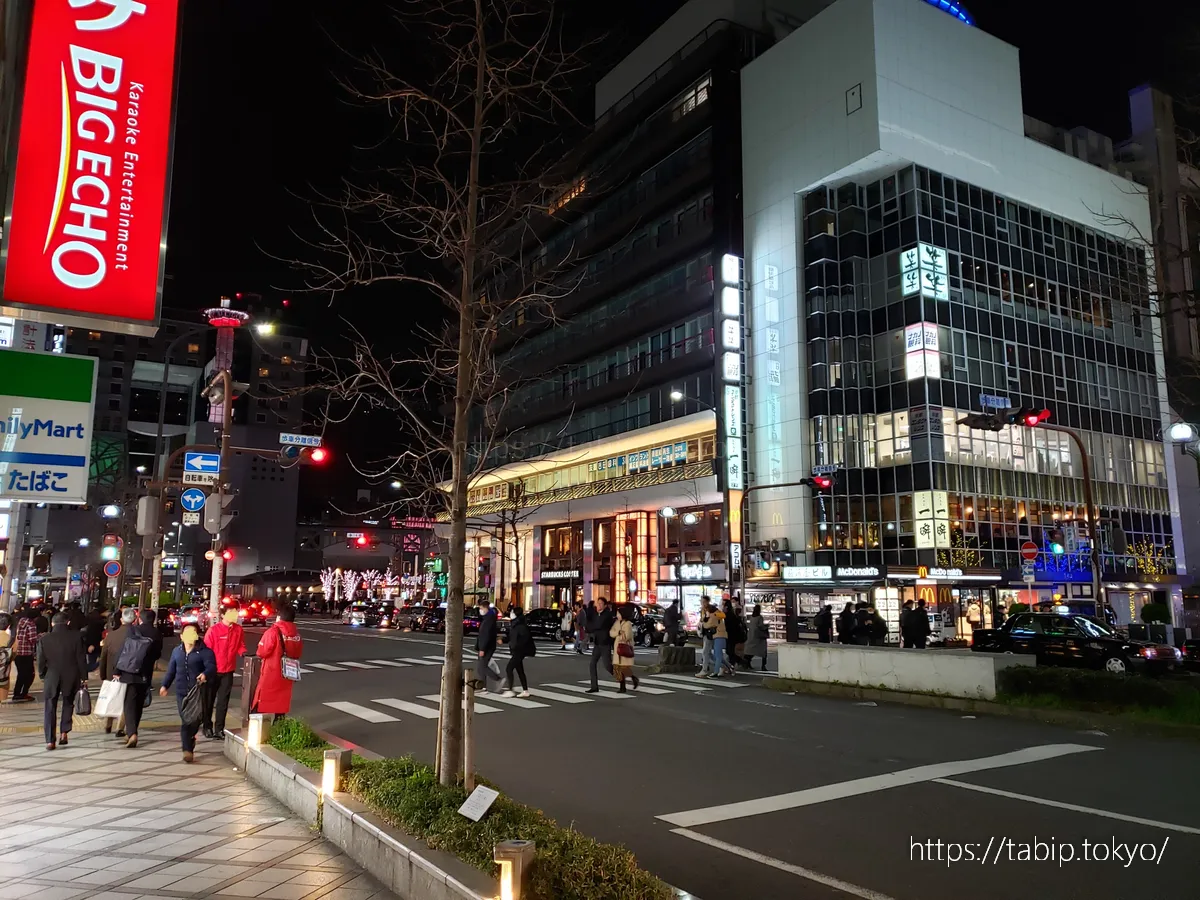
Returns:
(46,406)
(85,239)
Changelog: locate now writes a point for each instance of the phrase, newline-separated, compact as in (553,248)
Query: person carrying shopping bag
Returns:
(279,649)
(192,665)
(622,635)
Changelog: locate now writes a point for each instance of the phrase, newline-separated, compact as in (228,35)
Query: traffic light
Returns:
(291,455)
(227,554)
(1055,541)
(1027,416)
(819,482)
(983,421)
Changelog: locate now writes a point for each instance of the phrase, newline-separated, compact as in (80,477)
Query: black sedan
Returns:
(431,620)
(543,623)
(1072,640)
(648,629)
(1191,654)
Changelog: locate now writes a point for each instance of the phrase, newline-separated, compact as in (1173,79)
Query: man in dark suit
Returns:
(599,625)
(138,680)
(485,645)
(62,665)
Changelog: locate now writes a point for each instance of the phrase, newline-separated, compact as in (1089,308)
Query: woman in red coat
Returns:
(274,693)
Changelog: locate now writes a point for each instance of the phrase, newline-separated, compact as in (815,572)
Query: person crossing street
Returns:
(599,626)
(485,645)
(521,647)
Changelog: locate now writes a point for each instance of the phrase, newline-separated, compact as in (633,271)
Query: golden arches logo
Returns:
(776,518)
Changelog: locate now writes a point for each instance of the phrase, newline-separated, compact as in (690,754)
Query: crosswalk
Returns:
(404,662)
(544,696)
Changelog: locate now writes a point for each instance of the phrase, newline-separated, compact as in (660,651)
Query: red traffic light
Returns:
(227,555)
(1032,419)
(319,455)
(822,482)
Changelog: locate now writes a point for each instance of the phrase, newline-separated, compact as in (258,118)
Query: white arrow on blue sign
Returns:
(202,462)
(192,500)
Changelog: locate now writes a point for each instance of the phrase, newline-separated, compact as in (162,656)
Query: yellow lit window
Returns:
(286,360)
(193,348)
(94,335)
(263,373)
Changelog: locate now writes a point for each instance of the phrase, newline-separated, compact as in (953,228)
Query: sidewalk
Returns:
(94,821)
(26,718)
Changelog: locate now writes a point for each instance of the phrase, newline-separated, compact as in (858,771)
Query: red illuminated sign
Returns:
(86,238)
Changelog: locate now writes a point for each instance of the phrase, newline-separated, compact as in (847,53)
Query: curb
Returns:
(1070,718)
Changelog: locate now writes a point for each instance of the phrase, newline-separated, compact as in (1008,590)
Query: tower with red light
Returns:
(226,321)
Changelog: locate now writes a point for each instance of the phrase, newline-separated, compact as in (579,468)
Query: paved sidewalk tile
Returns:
(94,821)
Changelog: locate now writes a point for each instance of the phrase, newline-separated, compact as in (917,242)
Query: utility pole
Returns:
(218,546)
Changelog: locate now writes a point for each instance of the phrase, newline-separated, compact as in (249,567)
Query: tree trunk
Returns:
(450,721)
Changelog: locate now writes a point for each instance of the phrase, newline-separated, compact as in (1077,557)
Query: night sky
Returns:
(263,125)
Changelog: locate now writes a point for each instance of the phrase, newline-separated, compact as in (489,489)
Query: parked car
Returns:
(361,614)
(1075,640)
(167,620)
(543,623)
(406,616)
(648,628)
(255,612)
(1191,654)
(193,615)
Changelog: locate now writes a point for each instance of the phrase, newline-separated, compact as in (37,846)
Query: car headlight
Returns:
(659,626)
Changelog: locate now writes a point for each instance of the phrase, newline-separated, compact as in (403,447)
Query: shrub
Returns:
(569,866)
(1156,612)
(1050,686)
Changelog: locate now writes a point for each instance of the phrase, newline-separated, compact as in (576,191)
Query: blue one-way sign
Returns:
(202,462)
(192,500)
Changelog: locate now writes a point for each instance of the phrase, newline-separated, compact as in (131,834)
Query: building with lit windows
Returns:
(913,258)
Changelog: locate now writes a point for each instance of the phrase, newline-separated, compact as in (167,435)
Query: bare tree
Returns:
(449,220)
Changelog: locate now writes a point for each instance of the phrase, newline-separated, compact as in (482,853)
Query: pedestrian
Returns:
(757,633)
(140,650)
(878,628)
(921,628)
(76,620)
(907,638)
(227,641)
(845,624)
(622,635)
(706,640)
(6,640)
(23,653)
(41,620)
(599,628)
(274,693)
(720,642)
(62,665)
(824,624)
(736,634)
(581,624)
(110,650)
(192,664)
(520,647)
(93,637)
(671,623)
(862,624)
(485,645)
(565,626)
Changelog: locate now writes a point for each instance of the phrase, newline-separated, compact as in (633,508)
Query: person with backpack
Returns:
(141,649)
(521,647)
(279,649)
(192,666)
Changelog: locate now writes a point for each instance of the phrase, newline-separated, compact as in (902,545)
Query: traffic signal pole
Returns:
(218,561)
(1093,510)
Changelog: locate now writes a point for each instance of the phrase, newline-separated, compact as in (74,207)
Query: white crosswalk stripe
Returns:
(642,690)
(395,664)
(326,667)
(405,706)
(362,712)
(579,690)
(357,665)
(479,707)
(422,662)
(561,698)
(519,702)
(708,682)
(698,688)
(303,671)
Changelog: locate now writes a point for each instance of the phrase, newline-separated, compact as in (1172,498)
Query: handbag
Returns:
(625,651)
(290,668)
(111,702)
(83,701)
(192,711)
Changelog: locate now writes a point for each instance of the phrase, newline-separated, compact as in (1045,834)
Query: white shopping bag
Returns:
(111,702)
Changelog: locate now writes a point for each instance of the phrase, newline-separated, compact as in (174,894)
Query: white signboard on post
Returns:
(46,405)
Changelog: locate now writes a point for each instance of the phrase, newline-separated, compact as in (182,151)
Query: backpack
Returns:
(133,654)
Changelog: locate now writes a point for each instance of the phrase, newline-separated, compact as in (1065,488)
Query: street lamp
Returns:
(141,470)
(676,395)
(1183,433)
(265,328)
(395,485)
(83,542)
(667,512)
(111,511)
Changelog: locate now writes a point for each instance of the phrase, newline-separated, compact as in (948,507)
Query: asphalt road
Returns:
(731,792)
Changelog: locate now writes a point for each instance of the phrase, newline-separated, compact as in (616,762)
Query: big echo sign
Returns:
(85,241)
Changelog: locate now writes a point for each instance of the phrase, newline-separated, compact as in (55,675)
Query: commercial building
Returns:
(912,257)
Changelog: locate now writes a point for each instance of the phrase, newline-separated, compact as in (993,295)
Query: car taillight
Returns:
(241,613)
(1146,652)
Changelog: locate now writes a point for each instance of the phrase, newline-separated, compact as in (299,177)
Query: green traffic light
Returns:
(1057,549)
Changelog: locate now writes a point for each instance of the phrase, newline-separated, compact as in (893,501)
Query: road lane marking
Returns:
(419,662)
(395,664)
(676,685)
(518,702)
(642,690)
(479,707)
(561,698)
(576,689)
(404,706)
(327,667)
(708,682)
(1058,804)
(829,881)
(694,817)
(362,712)
(357,665)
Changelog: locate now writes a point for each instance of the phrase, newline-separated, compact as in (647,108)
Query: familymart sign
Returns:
(46,406)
